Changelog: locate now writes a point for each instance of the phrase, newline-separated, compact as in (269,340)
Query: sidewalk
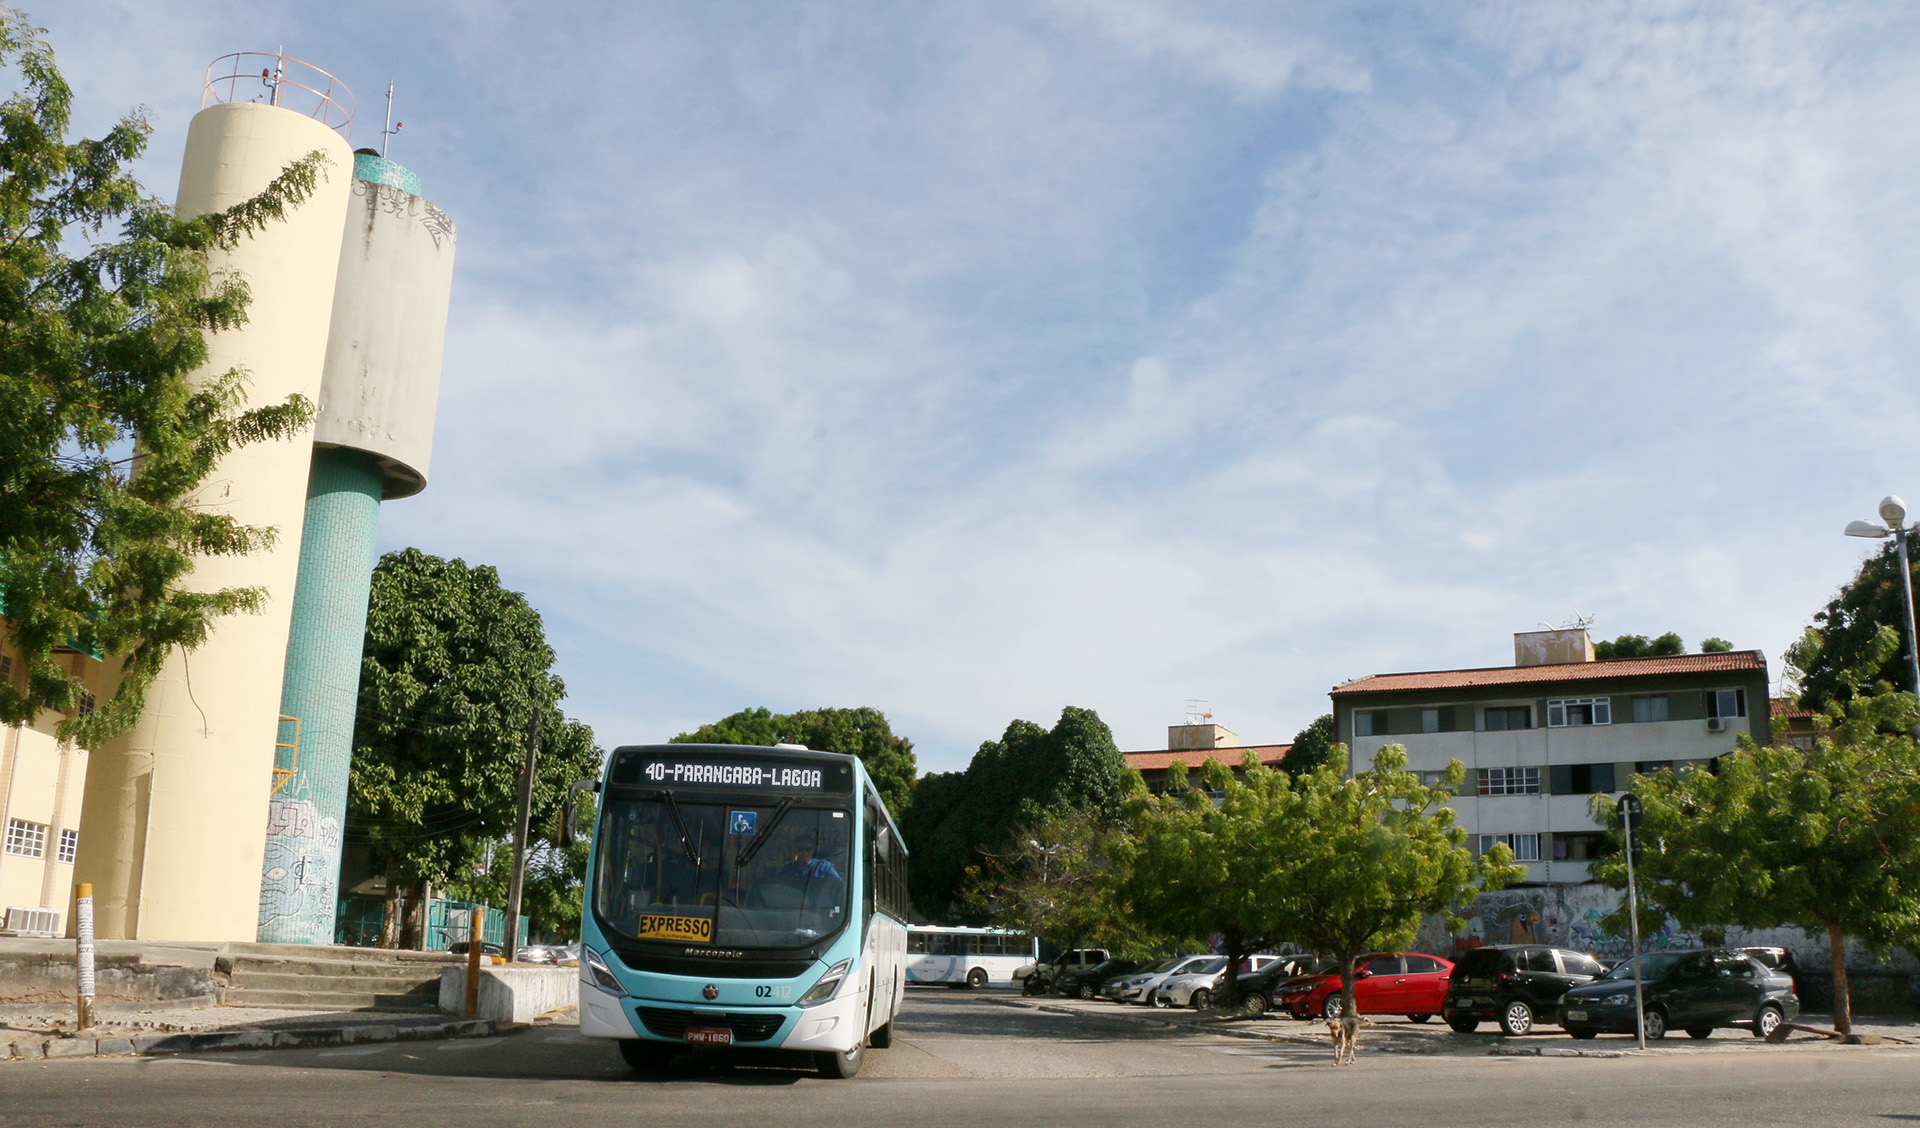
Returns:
(39,1033)
(1394,1034)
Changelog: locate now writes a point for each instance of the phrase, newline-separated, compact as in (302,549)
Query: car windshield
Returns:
(1658,964)
(1212,967)
(1160,966)
(736,873)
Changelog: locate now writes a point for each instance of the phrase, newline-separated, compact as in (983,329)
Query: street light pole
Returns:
(1893,512)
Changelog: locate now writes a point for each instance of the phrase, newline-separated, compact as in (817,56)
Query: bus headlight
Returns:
(829,983)
(603,976)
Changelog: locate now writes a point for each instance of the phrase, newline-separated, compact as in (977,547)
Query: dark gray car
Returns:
(1515,985)
(1692,991)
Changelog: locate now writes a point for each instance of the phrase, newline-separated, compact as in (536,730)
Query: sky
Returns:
(974,360)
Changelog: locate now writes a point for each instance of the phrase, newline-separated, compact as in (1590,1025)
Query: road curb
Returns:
(49,1047)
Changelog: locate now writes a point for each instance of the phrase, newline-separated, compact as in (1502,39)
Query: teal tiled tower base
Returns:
(299,885)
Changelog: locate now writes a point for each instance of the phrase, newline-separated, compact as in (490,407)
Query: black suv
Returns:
(1086,984)
(1257,987)
(1516,985)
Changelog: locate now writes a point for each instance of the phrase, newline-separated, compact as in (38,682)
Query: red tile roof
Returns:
(1781,707)
(1727,662)
(1193,758)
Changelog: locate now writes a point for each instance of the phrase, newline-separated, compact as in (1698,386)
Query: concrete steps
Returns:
(313,977)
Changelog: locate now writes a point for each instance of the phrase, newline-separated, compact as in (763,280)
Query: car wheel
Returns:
(1656,1026)
(1201,998)
(1581,1032)
(1161,1001)
(1699,1033)
(1517,1019)
(1254,1004)
(1085,991)
(977,978)
(1464,1025)
(649,1057)
(1331,1008)
(1418,1017)
(1769,1021)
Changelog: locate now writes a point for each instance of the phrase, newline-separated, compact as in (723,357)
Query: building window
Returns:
(1370,723)
(1650,708)
(86,703)
(1432,779)
(1578,846)
(1575,711)
(1509,781)
(1507,717)
(29,840)
(1648,767)
(1726,702)
(1525,847)
(1581,779)
(6,668)
(69,845)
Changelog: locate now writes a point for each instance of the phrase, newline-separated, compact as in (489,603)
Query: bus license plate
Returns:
(709,1036)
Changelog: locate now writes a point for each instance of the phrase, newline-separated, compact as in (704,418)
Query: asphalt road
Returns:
(967,1059)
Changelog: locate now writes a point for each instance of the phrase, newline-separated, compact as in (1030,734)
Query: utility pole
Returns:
(510,944)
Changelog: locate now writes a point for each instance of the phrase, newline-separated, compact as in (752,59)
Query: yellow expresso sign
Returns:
(698,930)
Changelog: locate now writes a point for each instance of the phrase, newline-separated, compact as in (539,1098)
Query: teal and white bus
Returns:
(744,897)
(967,957)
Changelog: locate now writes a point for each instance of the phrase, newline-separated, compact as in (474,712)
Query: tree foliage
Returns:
(1312,747)
(1337,865)
(101,333)
(862,732)
(1061,879)
(1640,646)
(958,818)
(1845,653)
(454,670)
(1826,840)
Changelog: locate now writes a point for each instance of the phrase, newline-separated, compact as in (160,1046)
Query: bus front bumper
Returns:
(832,1025)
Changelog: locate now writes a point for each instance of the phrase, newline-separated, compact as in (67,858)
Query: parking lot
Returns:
(1396,1034)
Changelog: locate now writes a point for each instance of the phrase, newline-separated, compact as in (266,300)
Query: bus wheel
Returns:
(651,1057)
(977,978)
(882,1036)
(841,1065)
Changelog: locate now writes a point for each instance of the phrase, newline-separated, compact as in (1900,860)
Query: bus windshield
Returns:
(699,869)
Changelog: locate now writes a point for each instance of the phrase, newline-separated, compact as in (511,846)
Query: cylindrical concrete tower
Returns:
(176,808)
(372,441)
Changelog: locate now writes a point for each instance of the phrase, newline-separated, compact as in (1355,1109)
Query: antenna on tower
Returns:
(392,126)
(1197,713)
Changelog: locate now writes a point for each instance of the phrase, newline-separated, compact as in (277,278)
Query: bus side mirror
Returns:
(570,818)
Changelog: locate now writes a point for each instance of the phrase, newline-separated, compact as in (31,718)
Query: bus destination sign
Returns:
(762,772)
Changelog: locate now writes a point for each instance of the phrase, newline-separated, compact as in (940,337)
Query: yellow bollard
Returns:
(474,944)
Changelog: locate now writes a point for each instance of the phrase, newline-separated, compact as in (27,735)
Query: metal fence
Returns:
(357,923)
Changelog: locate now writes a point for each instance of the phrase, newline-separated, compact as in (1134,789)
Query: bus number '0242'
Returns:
(766,992)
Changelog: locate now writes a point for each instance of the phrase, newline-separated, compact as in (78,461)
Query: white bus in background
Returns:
(967,957)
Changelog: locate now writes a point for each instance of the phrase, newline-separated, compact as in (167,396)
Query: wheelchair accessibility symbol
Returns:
(742,822)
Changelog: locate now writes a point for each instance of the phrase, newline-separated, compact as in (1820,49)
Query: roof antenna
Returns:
(392,126)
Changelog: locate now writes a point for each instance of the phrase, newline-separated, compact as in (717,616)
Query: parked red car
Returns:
(1409,983)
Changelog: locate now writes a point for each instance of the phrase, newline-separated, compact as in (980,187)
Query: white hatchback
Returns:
(1195,989)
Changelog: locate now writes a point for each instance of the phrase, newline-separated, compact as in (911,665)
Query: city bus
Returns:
(967,957)
(743,897)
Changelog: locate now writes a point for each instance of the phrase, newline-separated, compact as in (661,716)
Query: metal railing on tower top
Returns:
(273,79)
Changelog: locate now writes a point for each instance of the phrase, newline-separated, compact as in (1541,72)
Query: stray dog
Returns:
(1345,1029)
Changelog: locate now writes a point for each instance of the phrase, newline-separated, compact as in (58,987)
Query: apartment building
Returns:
(1192,745)
(1541,737)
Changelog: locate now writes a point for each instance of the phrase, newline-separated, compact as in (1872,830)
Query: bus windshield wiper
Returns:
(766,833)
(686,840)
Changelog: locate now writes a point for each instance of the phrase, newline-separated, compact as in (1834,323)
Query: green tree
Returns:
(1715,646)
(100,337)
(454,670)
(1208,869)
(1843,655)
(1060,879)
(1640,646)
(1373,856)
(1826,840)
(1020,779)
(862,732)
(1312,746)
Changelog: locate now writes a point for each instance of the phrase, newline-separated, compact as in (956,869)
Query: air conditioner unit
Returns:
(1716,724)
(24,920)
